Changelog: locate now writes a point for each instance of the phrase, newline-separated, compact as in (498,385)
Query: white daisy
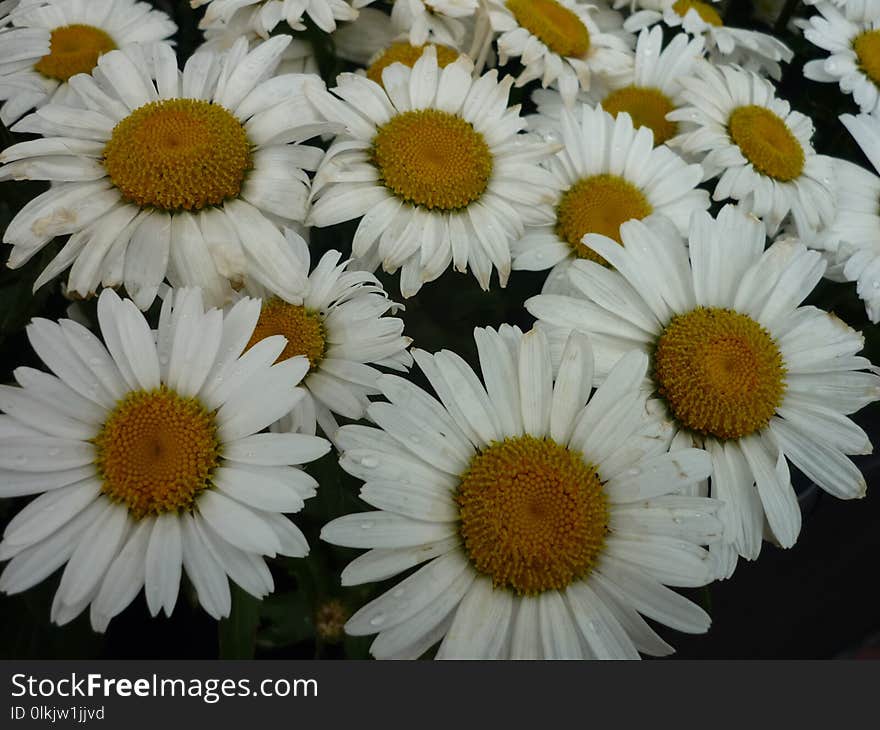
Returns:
(749,48)
(146,455)
(758,147)
(548,516)
(169,173)
(647,93)
(854,44)
(852,240)
(559,42)
(433,161)
(340,328)
(440,20)
(262,16)
(50,41)
(744,371)
(608,173)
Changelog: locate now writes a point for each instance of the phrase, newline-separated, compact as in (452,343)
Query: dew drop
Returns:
(377,620)
(370,462)
(366,525)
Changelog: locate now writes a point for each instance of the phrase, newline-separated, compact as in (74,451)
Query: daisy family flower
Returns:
(161,173)
(52,40)
(439,19)
(743,370)
(558,42)
(339,326)
(608,173)
(757,146)
(146,455)
(748,48)
(546,516)
(853,41)
(262,16)
(432,163)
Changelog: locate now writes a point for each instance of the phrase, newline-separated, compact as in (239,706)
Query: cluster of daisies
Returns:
(541,505)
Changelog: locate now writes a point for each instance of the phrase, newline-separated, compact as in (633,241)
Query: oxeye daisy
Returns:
(433,161)
(756,145)
(608,173)
(166,173)
(743,370)
(558,42)
(854,44)
(262,16)
(647,93)
(50,41)
(437,19)
(146,456)
(547,516)
(341,328)
(748,48)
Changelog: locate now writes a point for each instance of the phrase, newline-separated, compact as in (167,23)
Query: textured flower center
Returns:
(647,106)
(707,13)
(867,48)
(74,49)
(433,158)
(557,27)
(720,372)
(156,452)
(403,52)
(766,142)
(178,154)
(304,330)
(533,514)
(598,204)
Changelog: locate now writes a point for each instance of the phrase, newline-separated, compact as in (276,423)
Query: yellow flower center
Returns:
(433,159)
(403,52)
(598,204)
(533,514)
(557,27)
(74,49)
(867,48)
(720,372)
(766,142)
(707,13)
(178,154)
(304,330)
(156,452)
(647,106)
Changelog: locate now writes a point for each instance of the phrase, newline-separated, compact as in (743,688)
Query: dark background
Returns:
(815,600)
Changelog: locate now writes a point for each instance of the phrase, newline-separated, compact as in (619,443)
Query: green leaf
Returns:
(238,633)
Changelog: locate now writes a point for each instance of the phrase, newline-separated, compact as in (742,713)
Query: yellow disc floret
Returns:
(403,52)
(557,27)
(74,49)
(867,48)
(533,514)
(707,13)
(647,106)
(178,154)
(303,328)
(156,452)
(598,204)
(433,159)
(766,142)
(720,372)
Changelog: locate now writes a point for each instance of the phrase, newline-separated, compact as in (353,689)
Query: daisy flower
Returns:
(340,328)
(647,93)
(854,44)
(437,19)
(547,516)
(433,161)
(169,173)
(559,42)
(52,40)
(758,147)
(146,455)
(608,173)
(748,48)
(744,371)
(262,16)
